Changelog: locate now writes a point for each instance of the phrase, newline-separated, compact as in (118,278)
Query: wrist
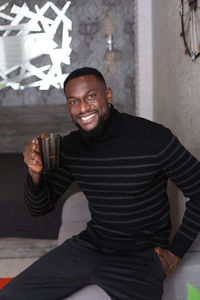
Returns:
(35,177)
(179,245)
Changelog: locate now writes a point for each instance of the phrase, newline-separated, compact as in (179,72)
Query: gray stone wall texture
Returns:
(92,21)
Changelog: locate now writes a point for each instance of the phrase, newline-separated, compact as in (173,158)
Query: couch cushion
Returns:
(90,292)
(68,229)
(76,209)
(188,271)
(75,215)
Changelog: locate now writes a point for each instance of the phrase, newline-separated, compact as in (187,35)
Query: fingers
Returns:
(34,168)
(33,145)
(32,156)
(157,250)
(168,260)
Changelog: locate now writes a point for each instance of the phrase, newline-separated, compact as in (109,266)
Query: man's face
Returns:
(87,100)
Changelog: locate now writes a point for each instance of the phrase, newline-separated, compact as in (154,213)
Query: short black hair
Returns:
(82,72)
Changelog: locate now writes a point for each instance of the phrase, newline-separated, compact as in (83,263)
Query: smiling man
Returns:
(88,100)
(122,164)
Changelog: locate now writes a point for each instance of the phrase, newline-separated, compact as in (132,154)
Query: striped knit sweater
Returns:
(124,174)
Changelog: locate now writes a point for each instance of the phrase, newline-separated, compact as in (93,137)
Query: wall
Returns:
(176,88)
(144,61)
(176,78)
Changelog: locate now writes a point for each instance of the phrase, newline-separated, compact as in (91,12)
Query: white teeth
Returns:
(87,118)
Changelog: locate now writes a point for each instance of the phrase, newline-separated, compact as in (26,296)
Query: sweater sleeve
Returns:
(41,198)
(184,170)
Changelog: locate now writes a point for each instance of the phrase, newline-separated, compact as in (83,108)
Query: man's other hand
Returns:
(168,260)
(32,159)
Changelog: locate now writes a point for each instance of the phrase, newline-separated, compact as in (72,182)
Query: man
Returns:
(122,164)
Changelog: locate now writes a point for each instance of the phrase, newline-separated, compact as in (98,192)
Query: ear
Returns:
(109,95)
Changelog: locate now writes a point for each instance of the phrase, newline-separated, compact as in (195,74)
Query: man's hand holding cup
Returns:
(32,158)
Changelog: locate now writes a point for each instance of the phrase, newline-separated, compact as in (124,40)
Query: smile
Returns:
(88,117)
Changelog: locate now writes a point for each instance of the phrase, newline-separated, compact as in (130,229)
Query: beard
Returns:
(97,130)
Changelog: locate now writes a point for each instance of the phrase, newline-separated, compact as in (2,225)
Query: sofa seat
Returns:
(90,292)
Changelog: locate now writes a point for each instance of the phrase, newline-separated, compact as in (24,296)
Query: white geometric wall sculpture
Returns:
(23,41)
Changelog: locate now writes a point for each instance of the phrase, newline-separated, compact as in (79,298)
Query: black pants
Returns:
(135,275)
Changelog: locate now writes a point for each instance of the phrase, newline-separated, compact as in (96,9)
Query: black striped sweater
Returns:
(124,174)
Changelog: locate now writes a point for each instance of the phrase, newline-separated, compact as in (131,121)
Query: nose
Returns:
(84,106)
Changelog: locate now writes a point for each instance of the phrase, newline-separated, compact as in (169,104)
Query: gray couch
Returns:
(75,215)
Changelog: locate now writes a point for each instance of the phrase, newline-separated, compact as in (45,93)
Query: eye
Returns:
(73,102)
(91,96)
